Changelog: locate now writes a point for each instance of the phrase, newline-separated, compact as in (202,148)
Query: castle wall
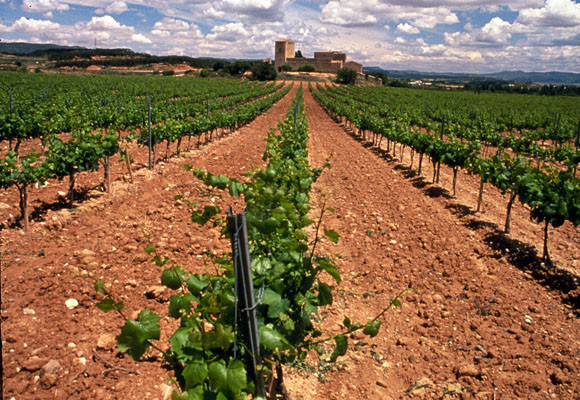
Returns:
(330,56)
(323,61)
(354,66)
(319,66)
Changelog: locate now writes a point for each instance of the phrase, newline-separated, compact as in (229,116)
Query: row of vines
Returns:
(538,167)
(84,121)
(207,353)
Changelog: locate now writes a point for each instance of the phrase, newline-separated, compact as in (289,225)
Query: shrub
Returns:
(168,72)
(218,65)
(306,68)
(264,71)
(346,76)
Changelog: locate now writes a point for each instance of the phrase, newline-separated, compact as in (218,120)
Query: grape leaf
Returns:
(341,343)
(195,374)
(135,335)
(324,294)
(332,235)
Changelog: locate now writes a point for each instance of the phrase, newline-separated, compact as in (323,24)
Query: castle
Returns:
(323,61)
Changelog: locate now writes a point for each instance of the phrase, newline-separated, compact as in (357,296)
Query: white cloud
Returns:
(407,28)
(171,24)
(484,5)
(43,6)
(182,32)
(555,13)
(161,33)
(116,7)
(347,14)
(357,13)
(495,31)
(213,13)
(455,38)
(33,26)
(105,23)
(229,32)
(140,38)
(434,50)
(242,10)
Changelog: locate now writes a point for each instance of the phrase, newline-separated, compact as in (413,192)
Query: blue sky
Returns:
(448,35)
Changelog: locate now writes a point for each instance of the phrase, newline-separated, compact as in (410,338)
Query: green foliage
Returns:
(168,72)
(218,65)
(22,174)
(554,196)
(346,76)
(201,350)
(306,68)
(204,73)
(27,171)
(286,67)
(136,335)
(264,71)
(382,76)
(239,67)
(550,188)
(341,346)
(332,235)
(82,152)
(372,328)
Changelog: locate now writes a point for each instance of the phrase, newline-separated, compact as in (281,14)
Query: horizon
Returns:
(451,36)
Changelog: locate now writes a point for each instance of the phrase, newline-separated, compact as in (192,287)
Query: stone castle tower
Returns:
(284,50)
(323,61)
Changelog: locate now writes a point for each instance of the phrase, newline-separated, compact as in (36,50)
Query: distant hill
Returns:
(554,78)
(82,57)
(18,48)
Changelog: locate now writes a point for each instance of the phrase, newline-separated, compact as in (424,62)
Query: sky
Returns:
(473,36)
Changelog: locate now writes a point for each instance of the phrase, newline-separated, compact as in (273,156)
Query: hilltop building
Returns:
(323,61)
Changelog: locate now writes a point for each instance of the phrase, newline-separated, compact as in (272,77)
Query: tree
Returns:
(346,76)
(264,71)
(22,173)
(286,67)
(218,65)
(238,67)
(298,54)
(382,76)
(306,68)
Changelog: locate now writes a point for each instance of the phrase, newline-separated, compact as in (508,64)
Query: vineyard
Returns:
(404,243)
(548,186)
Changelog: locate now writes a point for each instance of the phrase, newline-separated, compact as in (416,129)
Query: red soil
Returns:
(480,325)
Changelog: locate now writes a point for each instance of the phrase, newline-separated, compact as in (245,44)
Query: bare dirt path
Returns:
(477,327)
(51,351)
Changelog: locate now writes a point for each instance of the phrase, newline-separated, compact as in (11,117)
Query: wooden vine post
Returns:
(24,205)
(10,112)
(440,137)
(244,295)
(577,144)
(149,130)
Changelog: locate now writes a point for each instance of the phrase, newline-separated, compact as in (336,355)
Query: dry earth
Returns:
(481,323)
